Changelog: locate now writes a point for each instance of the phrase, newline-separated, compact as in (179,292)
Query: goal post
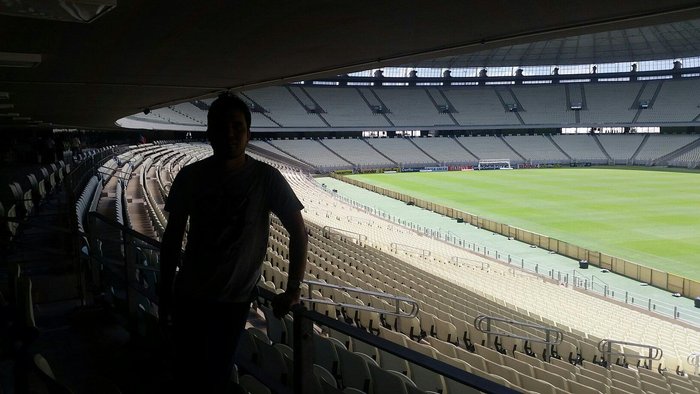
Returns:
(494,164)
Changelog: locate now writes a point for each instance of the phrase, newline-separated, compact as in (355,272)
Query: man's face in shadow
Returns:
(229,135)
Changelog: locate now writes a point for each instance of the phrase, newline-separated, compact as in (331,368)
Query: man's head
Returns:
(228,126)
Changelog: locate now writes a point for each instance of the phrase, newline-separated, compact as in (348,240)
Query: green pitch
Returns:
(649,217)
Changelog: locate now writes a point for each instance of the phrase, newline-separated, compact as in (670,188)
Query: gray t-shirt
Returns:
(229,217)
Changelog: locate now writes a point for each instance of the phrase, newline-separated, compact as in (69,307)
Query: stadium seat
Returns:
(494,378)
(555,380)
(567,374)
(253,386)
(656,389)
(259,335)
(530,360)
(326,354)
(354,371)
(453,386)
(602,384)
(276,330)
(632,388)
(508,345)
(359,346)
(507,373)
(386,382)
(46,373)
(388,360)
(566,350)
(489,354)
(580,388)
(537,386)
(474,360)
(324,375)
(271,360)
(443,347)
(681,389)
(518,365)
(624,377)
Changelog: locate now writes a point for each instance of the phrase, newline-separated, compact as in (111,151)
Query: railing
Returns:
(653,353)
(76,179)
(395,247)
(591,284)
(329,231)
(552,336)
(355,219)
(398,300)
(303,351)
(125,266)
(458,261)
(694,360)
(126,272)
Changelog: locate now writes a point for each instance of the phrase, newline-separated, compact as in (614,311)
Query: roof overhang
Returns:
(155,53)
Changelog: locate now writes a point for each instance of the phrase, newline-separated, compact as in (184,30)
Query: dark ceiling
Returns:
(146,54)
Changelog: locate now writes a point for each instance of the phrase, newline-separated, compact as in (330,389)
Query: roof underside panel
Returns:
(666,41)
(151,54)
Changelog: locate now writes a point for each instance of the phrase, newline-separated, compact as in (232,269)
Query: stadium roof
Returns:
(146,54)
(665,41)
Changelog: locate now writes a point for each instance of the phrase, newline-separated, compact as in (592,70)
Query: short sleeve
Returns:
(177,196)
(282,198)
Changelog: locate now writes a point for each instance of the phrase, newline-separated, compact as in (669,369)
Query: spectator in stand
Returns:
(60,147)
(48,154)
(75,146)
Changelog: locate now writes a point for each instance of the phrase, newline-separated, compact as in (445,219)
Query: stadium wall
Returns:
(663,280)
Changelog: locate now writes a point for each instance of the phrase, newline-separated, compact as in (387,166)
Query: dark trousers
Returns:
(205,337)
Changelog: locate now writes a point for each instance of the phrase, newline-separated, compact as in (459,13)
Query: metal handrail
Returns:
(654,353)
(694,360)
(124,175)
(328,230)
(484,264)
(303,350)
(395,247)
(398,299)
(552,336)
(351,218)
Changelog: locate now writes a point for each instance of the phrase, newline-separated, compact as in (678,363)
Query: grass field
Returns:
(649,217)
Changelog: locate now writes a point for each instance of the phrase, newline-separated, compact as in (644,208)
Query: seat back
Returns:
(386,382)
(354,371)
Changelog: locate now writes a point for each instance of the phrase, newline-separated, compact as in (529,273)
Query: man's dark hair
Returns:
(227,101)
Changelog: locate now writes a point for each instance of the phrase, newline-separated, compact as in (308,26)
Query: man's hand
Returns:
(283,302)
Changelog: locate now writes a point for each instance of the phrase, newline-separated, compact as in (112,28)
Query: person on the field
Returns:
(227,198)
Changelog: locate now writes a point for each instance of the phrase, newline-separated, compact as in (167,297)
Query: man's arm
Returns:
(170,250)
(298,244)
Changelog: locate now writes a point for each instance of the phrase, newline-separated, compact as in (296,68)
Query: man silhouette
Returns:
(227,198)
